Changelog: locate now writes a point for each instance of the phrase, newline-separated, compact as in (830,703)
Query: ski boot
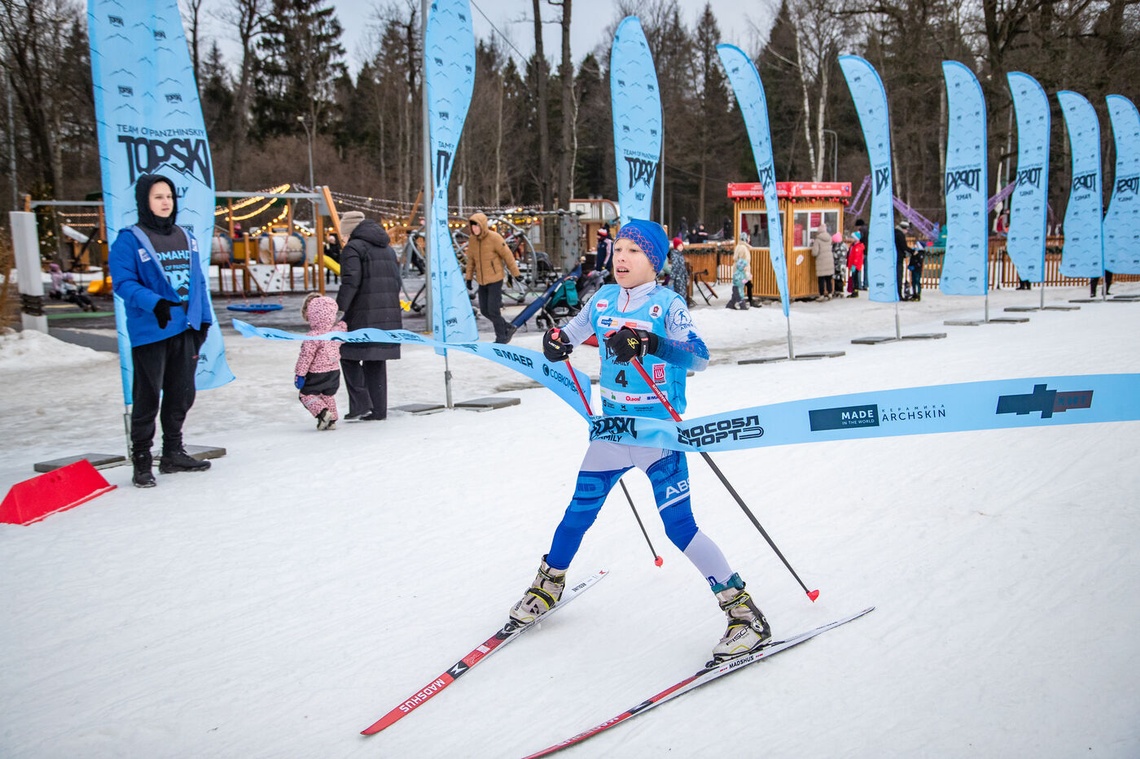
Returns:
(178,460)
(541,596)
(747,629)
(143,476)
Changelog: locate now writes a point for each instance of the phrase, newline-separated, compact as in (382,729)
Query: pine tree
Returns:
(489,134)
(677,82)
(301,60)
(780,75)
(217,97)
(518,185)
(593,172)
(718,136)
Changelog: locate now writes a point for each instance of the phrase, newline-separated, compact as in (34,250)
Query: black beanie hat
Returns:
(147,218)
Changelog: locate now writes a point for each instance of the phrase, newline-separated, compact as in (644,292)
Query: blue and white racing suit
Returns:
(624,393)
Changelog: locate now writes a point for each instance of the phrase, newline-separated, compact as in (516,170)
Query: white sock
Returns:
(707,557)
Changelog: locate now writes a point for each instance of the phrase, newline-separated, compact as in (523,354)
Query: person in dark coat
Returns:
(698,235)
(902,250)
(369,296)
(332,252)
(604,258)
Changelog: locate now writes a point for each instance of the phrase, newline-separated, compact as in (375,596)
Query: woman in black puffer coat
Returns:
(369,296)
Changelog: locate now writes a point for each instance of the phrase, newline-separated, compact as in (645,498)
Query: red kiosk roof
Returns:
(791,190)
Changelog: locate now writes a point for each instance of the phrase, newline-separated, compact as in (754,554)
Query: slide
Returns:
(332,266)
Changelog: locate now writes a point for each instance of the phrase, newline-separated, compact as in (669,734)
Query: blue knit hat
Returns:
(650,237)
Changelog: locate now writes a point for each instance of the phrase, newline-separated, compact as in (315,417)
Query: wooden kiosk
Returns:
(804,208)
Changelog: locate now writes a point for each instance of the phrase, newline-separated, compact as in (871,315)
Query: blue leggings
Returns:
(669,476)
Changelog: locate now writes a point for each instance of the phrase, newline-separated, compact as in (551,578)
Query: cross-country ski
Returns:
(507,634)
(710,672)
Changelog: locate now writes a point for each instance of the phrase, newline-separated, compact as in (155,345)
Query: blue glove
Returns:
(299,381)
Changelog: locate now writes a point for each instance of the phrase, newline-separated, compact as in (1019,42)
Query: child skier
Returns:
(317,374)
(636,318)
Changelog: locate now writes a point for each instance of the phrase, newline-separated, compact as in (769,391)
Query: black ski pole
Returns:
(656,556)
(811,594)
(585,402)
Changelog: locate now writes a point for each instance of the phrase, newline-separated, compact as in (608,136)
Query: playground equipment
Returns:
(83,246)
(82,243)
(928,229)
(221,249)
(282,244)
(545,245)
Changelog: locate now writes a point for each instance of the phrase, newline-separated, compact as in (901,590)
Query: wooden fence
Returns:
(712,264)
(1003,274)
(707,263)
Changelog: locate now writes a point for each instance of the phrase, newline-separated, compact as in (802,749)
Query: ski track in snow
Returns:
(281,602)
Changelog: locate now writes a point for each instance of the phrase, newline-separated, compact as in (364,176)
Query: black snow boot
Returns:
(178,460)
(144,474)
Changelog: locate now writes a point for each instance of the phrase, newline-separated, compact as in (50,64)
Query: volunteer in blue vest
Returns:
(637,318)
(155,269)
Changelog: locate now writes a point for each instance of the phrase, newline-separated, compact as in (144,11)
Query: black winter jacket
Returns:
(369,292)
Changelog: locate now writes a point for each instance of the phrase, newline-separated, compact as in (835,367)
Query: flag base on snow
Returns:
(65,488)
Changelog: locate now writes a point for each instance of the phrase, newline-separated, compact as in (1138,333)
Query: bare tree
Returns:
(819,35)
(480,157)
(714,133)
(248,18)
(415,93)
(384,119)
(541,76)
(192,16)
(34,62)
(566,79)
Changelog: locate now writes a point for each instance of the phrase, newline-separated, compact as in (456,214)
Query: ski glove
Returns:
(627,344)
(162,311)
(299,381)
(555,346)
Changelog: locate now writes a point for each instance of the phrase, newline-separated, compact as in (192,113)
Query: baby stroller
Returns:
(561,301)
(569,296)
(561,306)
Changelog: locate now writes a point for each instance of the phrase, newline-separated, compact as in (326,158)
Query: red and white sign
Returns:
(791,190)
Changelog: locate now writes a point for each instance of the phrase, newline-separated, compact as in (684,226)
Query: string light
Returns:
(221,210)
(261,210)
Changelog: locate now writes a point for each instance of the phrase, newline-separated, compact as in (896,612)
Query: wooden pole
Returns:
(319,231)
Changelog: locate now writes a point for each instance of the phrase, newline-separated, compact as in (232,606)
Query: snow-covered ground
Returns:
(279,603)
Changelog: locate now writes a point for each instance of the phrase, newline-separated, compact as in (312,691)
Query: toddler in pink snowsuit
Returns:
(317,374)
